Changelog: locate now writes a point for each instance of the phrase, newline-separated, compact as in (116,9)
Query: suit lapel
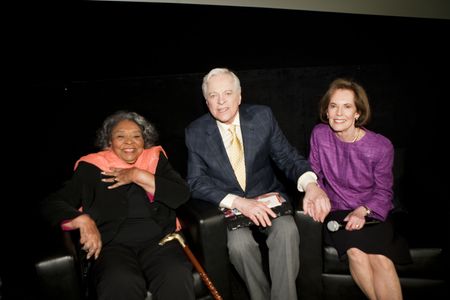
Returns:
(249,138)
(215,145)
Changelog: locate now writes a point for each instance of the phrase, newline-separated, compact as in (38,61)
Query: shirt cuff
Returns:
(227,202)
(306,179)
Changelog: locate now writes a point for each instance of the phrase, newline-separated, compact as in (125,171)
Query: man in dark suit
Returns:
(213,177)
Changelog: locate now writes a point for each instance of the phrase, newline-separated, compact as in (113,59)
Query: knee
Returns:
(242,248)
(118,282)
(176,273)
(285,229)
(356,256)
(291,233)
(174,281)
(381,262)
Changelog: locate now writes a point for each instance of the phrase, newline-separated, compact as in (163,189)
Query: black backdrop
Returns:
(83,61)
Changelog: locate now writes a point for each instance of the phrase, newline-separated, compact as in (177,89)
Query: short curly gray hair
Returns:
(104,137)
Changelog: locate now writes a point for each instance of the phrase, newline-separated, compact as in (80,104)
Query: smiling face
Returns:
(342,112)
(127,141)
(223,97)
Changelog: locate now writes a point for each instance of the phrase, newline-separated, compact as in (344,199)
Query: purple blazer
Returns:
(354,174)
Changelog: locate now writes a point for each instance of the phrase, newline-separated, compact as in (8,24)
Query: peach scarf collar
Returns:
(107,159)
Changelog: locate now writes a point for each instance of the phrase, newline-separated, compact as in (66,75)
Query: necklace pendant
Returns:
(356,135)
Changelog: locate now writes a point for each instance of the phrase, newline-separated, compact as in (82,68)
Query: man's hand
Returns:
(316,202)
(256,211)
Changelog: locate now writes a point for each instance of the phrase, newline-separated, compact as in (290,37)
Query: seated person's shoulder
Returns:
(379,140)
(198,123)
(87,171)
(257,111)
(86,167)
(256,108)
(321,127)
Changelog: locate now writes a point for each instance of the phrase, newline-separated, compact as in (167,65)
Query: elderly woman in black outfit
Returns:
(123,200)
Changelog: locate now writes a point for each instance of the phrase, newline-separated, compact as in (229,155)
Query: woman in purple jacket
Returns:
(354,166)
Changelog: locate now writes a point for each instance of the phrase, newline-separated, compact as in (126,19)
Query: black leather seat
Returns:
(207,232)
(63,273)
(323,276)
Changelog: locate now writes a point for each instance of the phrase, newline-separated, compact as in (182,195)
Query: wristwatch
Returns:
(368,211)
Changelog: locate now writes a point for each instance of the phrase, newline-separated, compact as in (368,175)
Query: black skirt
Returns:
(379,238)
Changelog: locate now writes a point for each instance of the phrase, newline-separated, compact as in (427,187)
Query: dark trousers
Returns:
(127,272)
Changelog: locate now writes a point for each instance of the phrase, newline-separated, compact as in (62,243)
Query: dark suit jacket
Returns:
(109,208)
(210,175)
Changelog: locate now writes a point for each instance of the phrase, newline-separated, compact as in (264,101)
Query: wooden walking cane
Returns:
(194,261)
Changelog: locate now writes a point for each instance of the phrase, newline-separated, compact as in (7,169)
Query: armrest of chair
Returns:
(206,234)
(57,270)
(309,280)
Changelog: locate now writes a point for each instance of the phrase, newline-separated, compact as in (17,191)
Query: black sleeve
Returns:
(170,188)
(64,203)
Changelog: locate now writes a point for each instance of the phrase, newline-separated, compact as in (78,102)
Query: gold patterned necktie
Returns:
(236,153)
